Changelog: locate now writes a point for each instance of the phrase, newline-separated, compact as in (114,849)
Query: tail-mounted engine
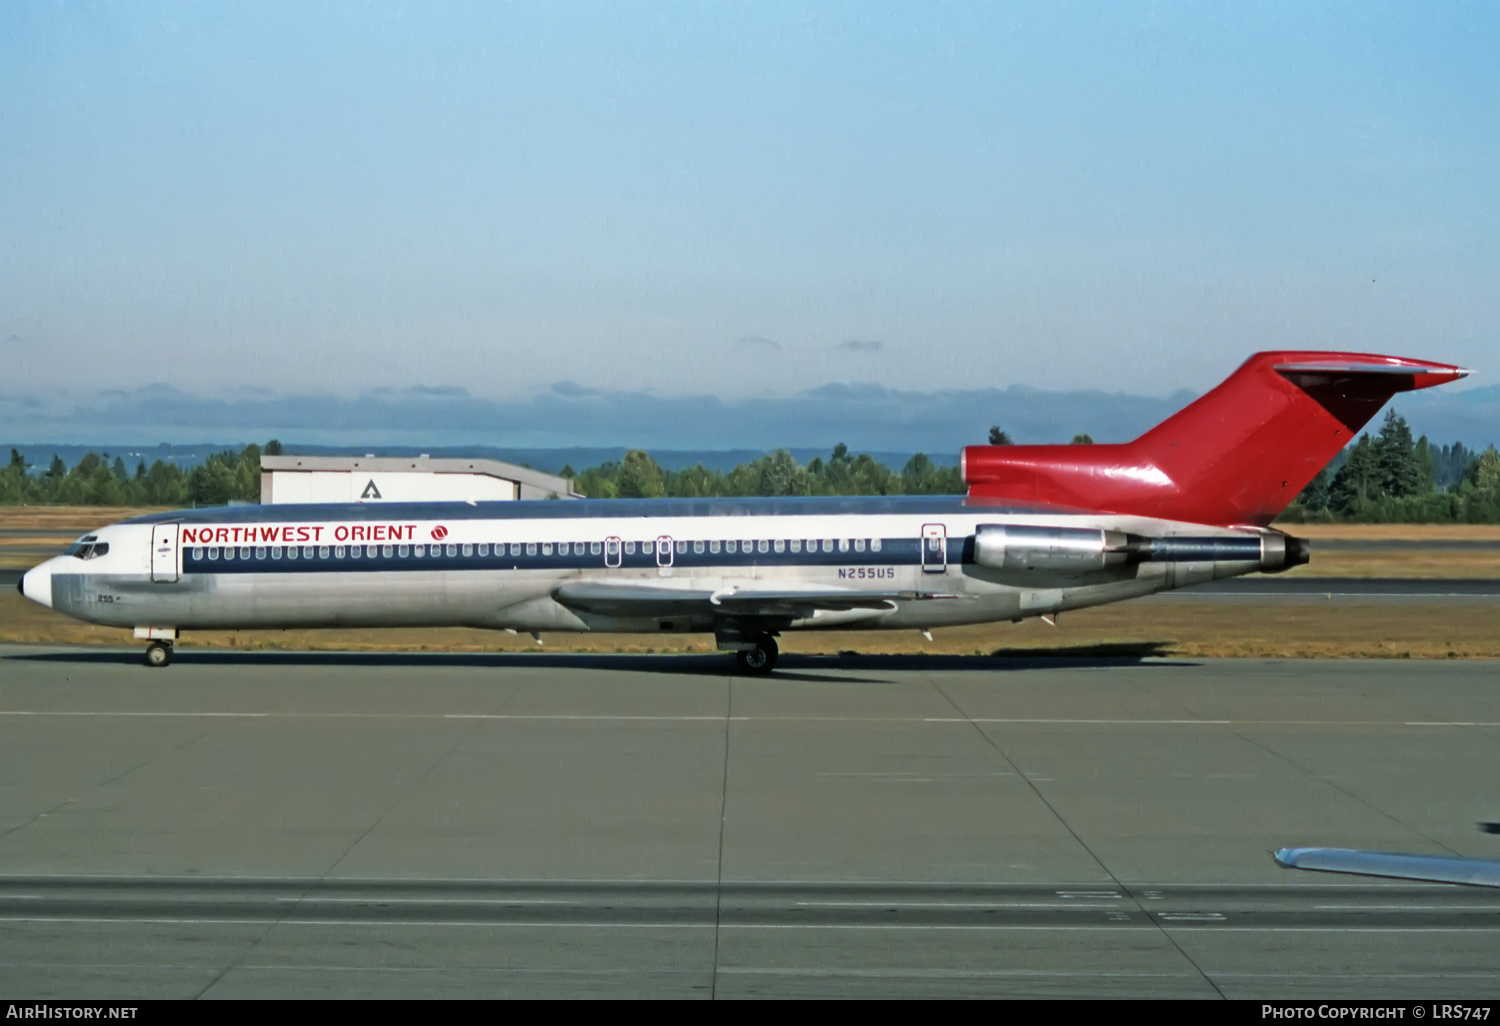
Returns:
(1079,550)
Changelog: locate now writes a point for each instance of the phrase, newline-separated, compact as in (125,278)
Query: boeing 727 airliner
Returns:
(1042,530)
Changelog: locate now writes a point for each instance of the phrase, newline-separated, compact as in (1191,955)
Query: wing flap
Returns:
(611,599)
(632,599)
(1433,868)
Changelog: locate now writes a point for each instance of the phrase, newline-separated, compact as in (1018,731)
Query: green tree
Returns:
(780,475)
(1400,475)
(1426,465)
(639,477)
(1484,472)
(998,437)
(1358,480)
(1083,438)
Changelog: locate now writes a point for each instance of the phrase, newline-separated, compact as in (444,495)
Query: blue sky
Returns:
(738,199)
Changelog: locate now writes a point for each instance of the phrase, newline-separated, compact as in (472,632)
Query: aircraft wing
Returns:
(610,599)
(1435,868)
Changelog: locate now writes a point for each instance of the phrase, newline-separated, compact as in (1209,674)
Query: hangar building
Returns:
(402,479)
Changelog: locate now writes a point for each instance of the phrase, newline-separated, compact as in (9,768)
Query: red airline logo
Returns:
(439,532)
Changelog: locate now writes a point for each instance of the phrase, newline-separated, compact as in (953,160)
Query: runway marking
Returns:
(1191,917)
(948,904)
(1409,908)
(186,715)
(523,924)
(751,971)
(615,718)
(981,719)
(1449,723)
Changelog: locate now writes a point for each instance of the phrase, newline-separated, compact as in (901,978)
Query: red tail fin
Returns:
(1238,455)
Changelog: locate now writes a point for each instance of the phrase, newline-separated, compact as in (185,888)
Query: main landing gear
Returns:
(760,659)
(159,653)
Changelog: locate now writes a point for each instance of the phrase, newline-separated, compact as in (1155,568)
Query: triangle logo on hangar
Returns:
(370,492)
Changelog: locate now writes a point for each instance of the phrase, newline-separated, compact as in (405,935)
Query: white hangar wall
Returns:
(299,479)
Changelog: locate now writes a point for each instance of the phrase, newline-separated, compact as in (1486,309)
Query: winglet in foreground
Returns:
(1432,868)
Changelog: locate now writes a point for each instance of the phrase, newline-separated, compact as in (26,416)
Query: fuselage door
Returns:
(934,549)
(164,552)
(612,551)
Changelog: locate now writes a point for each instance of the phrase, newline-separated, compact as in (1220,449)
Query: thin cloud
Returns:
(757,342)
(856,345)
(13,337)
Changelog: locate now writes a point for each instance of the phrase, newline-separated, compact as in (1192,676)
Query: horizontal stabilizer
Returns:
(637,600)
(1433,868)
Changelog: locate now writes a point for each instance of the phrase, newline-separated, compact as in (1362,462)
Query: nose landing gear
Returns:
(159,653)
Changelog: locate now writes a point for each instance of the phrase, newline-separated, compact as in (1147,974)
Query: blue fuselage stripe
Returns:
(893,552)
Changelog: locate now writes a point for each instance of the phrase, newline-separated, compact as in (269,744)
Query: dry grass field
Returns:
(1183,629)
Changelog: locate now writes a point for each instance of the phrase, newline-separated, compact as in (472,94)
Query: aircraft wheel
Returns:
(158,653)
(761,659)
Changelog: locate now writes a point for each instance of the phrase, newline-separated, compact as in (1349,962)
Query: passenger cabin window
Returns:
(451,550)
(260,552)
(795,544)
(213,552)
(468,550)
(630,548)
(484,550)
(779,545)
(762,546)
(355,551)
(198,553)
(713,546)
(385,550)
(338,552)
(874,544)
(595,548)
(275,552)
(730,545)
(698,547)
(245,552)
(530,548)
(859,545)
(403,551)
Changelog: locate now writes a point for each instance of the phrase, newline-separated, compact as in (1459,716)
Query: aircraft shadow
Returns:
(836,669)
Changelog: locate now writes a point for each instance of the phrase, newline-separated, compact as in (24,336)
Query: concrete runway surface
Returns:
(277,824)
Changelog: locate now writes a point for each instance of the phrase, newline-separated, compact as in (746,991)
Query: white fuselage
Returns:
(905,563)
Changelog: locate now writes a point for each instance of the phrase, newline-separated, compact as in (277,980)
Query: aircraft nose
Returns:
(36,584)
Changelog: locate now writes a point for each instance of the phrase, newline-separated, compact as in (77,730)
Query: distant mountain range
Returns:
(569,424)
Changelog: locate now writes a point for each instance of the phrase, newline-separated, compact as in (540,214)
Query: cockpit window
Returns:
(86,548)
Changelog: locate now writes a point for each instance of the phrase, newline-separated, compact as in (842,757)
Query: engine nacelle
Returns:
(1077,550)
(1058,549)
